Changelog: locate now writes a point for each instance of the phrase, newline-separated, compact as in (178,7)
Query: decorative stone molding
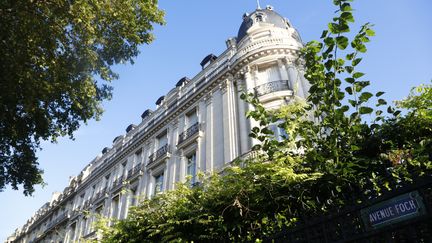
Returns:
(208,98)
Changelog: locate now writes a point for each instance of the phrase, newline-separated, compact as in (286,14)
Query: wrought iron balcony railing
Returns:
(134,171)
(271,87)
(99,194)
(117,182)
(192,130)
(57,220)
(162,151)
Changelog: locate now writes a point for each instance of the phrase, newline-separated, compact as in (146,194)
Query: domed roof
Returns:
(266,15)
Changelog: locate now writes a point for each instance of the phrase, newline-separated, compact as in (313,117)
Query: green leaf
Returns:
(378,94)
(356,61)
(350,80)
(355,148)
(328,65)
(349,90)
(329,41)
(349,69)
(350,56)
(346,7)
(333,28)
(342,42)
(361,48)
(347,16)
(370,32)
(358,75)
(365,110)
(324,34)
(352,102)
(382,102)
(365,96)
(344,108)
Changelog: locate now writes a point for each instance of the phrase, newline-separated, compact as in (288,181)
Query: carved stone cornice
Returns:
(208,98)
(223,86)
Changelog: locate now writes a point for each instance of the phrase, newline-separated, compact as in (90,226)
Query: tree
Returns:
(331,157)
(56,69)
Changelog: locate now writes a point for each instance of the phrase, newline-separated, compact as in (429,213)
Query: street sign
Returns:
(397,209)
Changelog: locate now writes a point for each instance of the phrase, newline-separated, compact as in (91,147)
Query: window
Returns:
(159,183)
(138,157)
(191,167)
(115,206)
(72,232)
(99,210)
(259,17)
(134,196)
(191,118)
(278,132)
(162,140)
(107,180)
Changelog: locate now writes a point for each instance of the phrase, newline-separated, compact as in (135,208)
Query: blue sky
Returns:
(398,58)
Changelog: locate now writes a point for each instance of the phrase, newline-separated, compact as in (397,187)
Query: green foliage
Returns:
(55,71)
(329,159)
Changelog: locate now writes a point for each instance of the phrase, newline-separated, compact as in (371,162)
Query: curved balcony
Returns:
(270,87)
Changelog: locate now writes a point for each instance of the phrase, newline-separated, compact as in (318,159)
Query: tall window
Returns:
(115,206)
(191,118)
(159,183)
(107,181)
(72,231)
(138,157)
(162,140)
(191,167)
(134,196)
(278,132)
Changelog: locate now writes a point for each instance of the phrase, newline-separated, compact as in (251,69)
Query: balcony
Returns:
(134,171)
(270,87)
(100,194)
(189,135)
(86,204)
(160,154)
(57,220)
(117,183)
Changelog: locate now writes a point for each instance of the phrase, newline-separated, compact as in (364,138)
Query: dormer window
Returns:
(259,17)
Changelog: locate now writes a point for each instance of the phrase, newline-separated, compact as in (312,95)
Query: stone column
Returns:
(250,84)
(208,135)
(295,79)
(201,148)
(229,120)
(241,114)
(170,164)
(182,166)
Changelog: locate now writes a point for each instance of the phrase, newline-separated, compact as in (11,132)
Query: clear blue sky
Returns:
(398,58)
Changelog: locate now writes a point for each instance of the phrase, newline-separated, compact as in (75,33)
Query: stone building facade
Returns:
(199,125)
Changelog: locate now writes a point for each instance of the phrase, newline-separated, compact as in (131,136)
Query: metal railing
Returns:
(271,87)
(117,182)
(132,172)
(99,194)
(346,224)
(57,220)
(192,130)
(162,151)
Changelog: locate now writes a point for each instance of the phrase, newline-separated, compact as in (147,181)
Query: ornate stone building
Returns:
(197,126)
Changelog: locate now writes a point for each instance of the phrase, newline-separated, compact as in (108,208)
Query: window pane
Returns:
(159,183)
(191,167)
